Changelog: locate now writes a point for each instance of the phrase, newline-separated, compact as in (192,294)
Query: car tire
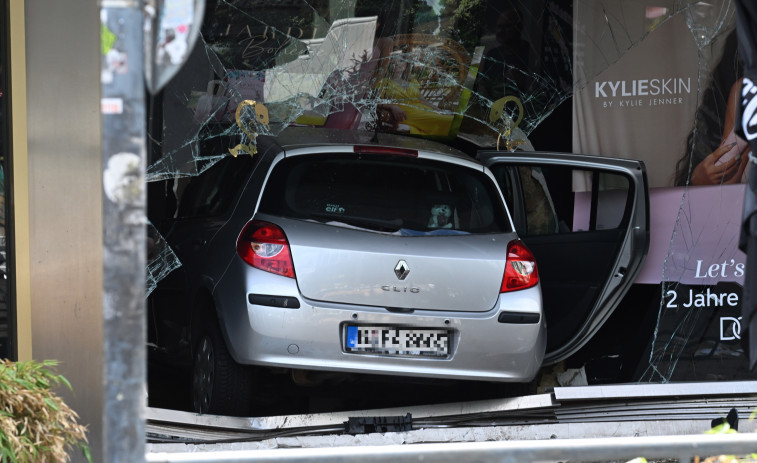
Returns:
(220,386)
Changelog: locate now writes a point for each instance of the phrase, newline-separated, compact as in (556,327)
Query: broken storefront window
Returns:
(643,80)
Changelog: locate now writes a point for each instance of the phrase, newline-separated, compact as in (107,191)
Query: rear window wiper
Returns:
(390,225)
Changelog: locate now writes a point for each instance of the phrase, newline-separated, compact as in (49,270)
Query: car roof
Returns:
(306,137)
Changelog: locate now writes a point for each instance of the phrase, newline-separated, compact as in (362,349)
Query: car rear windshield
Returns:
(394,194)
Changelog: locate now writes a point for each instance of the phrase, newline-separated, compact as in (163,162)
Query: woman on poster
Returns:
(715,155)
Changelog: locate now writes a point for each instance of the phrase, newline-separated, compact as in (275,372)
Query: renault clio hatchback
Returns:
(363,253)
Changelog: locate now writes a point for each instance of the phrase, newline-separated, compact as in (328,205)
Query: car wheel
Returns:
(220,386)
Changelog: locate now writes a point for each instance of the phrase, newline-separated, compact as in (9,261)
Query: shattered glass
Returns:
(474,74)
(670,69)
(161,260)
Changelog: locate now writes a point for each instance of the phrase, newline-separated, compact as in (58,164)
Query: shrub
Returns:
(35,424)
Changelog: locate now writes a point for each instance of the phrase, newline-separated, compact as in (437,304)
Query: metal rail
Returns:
(683,448)
(650,390)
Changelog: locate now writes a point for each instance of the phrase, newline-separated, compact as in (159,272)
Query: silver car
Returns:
(349,252)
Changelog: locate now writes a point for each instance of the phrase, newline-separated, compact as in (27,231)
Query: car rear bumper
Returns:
(312,336)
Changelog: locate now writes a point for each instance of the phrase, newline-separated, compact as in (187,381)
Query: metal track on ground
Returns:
(668,403)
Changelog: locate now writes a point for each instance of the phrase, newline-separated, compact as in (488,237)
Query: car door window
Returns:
(610,196)
(546,200)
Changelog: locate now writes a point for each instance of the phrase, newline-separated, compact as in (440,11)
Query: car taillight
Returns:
(264,246)
(520,269)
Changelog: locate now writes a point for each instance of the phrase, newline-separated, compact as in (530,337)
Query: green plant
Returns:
(35,424)
(723,428)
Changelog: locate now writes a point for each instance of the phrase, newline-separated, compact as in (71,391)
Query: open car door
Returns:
(586,219)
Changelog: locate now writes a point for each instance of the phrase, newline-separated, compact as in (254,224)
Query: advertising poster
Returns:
(665,91)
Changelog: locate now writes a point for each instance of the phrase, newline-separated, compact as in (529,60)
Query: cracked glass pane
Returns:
(646,80)
(658,81)
(161,260)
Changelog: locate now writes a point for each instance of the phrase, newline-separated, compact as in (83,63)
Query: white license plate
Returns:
(398,341)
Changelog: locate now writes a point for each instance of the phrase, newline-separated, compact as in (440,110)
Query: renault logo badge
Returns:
(401,270)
